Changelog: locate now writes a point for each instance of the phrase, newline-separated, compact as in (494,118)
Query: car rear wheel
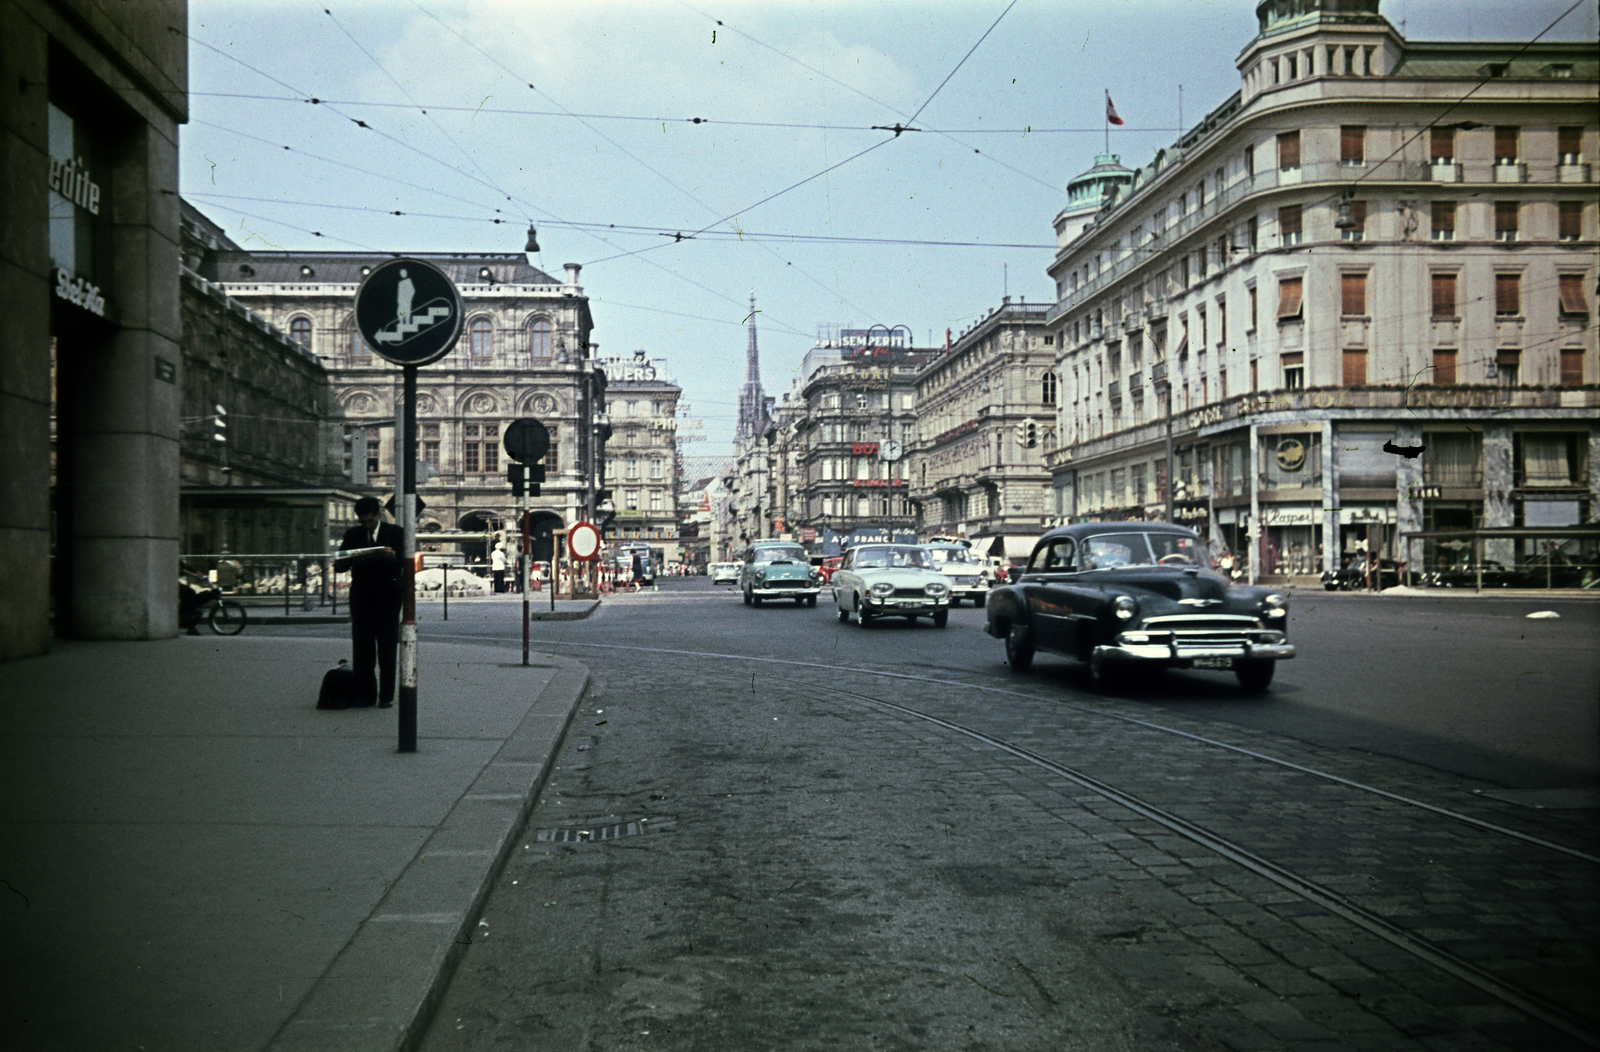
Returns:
(1105,675)
(1019,649)
(941,618)
(1255,676)
(977,601)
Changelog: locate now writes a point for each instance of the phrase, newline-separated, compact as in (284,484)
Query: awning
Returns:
(1011,548)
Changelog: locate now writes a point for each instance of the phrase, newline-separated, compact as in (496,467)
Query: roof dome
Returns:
(1090,189)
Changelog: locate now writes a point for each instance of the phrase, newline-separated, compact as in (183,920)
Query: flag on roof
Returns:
(1111,111)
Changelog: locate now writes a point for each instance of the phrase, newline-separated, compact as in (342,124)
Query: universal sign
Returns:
(71,179)
(79,293)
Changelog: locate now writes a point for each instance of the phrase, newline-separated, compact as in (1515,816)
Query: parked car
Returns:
(1353,576)
(963,568)
(1120,596)
(890,580)
(779,570)
(725,573)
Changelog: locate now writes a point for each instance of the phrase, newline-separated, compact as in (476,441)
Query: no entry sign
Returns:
(409,312)
(583,541)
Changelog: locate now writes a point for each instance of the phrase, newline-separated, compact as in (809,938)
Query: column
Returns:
(1408,506)
(1498,480)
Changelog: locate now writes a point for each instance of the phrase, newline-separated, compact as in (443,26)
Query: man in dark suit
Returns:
(374,600)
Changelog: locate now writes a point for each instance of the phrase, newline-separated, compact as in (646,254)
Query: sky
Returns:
(615,126)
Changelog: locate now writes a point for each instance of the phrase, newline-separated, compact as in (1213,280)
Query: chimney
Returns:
(572,272)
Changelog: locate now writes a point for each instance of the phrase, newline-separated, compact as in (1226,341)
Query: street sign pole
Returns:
(527,576)
(408,623)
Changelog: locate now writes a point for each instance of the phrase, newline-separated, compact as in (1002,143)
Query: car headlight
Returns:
(1275,605)
(1125,607)
(761,575)
(937,589)
(883,588)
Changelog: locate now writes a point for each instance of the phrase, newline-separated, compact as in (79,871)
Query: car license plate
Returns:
(1214,662)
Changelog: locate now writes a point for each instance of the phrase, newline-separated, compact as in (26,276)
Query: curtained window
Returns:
(1544,460)
(1444,220)
(1569,143)
(1444,366)
(1508,294)
(1442,145)
(1569,220)
(1451,459)
(1289,224)
(1506,141)
(1505,220)
(1353,293)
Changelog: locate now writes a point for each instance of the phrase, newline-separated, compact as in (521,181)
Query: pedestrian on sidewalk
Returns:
(375,600)
(497,568)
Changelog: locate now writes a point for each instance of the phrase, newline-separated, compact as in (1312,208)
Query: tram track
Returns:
(1408,801)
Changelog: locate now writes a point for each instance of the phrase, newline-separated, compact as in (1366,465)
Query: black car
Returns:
(1125,595)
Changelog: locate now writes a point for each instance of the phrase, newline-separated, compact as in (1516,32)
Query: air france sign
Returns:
(409,312)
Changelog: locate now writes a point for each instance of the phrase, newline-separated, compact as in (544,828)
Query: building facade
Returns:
(1320,274)
(986,412)
(91,361)
(524,352)
(643,465)
(854,420)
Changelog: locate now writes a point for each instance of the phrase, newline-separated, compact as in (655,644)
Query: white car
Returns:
(890,580)
(725,573)
(964,568)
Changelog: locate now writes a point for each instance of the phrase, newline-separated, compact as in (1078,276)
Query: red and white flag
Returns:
(1111,111)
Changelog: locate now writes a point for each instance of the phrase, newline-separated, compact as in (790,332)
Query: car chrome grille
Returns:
(910,593)
(785,584)
(1205,631)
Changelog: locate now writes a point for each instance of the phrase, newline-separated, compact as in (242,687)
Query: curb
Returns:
(534,615)
(382,990)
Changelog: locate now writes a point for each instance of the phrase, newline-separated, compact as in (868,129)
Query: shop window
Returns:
(1353,145)
(1508,294)
(1294,370)
(1444,366)
(1444,220)
(1289,298)
(1444,296)
(1548,459)
(1452,458)
(1442,145)
(1353,294)
(1573,302)
(1288,151)
(1289,232)
(1569,220)
(1505,220)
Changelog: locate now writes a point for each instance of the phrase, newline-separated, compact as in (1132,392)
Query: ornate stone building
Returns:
(1323,267)
(642,467)
(524,351)
(986,414)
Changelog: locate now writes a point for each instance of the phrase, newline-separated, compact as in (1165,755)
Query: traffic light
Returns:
(219,425)
(525,478)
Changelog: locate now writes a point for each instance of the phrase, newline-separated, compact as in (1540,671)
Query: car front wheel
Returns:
(811,600)
(1255,676)
(1019,649)
(941,618)
(862,616)
(748,599)
(1104,674)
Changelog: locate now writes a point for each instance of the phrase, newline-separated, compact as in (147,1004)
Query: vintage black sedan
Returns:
(1127,595)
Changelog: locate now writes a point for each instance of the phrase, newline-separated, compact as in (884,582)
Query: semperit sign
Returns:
(409,312)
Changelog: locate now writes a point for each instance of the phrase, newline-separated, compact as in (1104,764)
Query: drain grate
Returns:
(602,830)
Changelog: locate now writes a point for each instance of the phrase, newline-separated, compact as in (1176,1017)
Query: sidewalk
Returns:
(193,856)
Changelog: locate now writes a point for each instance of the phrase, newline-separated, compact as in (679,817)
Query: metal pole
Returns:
(408,624)
(1169,451)
(445,590)
(527,559)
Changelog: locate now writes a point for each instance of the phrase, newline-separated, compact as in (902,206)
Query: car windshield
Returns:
(1110,551)
(952,555)
(895,558)
(779,553)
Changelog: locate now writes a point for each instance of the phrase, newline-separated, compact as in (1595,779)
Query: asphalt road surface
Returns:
(770,830)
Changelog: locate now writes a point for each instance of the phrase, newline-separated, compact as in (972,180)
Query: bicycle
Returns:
(225,616)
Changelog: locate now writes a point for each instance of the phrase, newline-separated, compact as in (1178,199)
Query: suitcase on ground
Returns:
(338,688)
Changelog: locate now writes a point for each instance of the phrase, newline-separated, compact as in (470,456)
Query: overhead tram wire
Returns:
(623,228)
(544,212)
(853,156)
(628,153)
(314,100)
(879,102)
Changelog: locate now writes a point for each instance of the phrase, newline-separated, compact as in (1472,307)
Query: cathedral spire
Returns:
(752,400)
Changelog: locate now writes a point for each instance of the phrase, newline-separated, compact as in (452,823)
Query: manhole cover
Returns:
(602,830)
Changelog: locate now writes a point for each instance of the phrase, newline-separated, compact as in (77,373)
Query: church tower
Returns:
(752,401)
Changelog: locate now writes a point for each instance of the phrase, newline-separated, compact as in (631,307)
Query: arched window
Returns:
(1048,384)
(478,331)
(300,331)
(539,330)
